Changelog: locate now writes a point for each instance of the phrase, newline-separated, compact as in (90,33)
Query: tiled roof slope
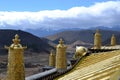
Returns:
(96,66)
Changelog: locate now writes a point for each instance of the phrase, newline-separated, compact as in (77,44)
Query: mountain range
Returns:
(86,36)
(83,38)
(72,38)
(34,43)
(45,32)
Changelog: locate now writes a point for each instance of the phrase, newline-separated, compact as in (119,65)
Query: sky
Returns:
(58,14)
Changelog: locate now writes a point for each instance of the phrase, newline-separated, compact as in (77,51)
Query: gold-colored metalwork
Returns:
(113,40)
(61,62)
(116,75)
(52,59)
(101,66)
(80,52)
(15,69)
(97,40)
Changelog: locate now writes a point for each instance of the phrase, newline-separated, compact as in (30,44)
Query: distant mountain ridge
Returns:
(72,38)
(83,38)
(115,28)
(34,43)
(87,36)
(46,32)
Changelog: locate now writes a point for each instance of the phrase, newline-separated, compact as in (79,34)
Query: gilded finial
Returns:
(113,35)
(51,51)
(16,40)
(97,31)
(16,43)
(61,41)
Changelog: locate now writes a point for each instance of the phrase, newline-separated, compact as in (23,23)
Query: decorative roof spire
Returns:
(97,31)
(16,43)
(61,41)
(113,35)
(51,52)
(16,40)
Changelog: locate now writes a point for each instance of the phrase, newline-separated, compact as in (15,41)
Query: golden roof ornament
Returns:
(97,31)
(16,43)
(97,40)
(15,60)
(113,40)
(61,41)
(16,40)
(52,59)
(113,35)
(61,64)
(51,52)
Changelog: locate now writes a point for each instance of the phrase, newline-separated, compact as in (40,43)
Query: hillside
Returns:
(34,44)
(86,36)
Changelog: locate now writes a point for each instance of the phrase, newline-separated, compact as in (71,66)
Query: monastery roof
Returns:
(96,66)
(111,47)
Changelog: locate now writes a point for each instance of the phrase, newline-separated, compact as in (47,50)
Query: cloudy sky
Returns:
(58,14)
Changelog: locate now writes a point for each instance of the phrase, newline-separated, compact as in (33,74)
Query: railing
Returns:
(51,74)
(47,75)
(100,50)
(42,75)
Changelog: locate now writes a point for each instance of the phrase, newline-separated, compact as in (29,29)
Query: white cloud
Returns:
(99,14)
